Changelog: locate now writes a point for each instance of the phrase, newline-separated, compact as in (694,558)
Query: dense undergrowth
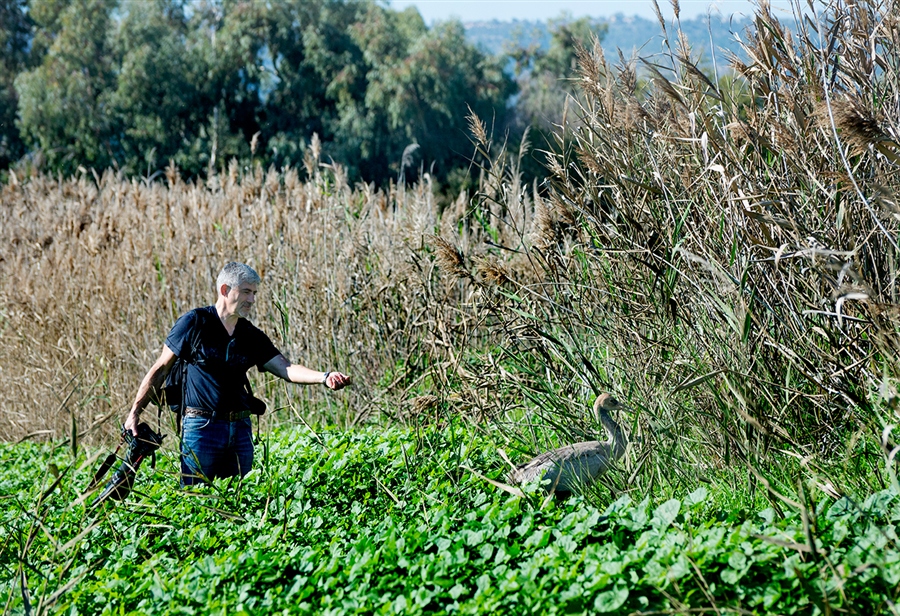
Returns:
(721,253)
(389,522)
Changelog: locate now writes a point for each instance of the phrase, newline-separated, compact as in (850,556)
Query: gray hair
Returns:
(234,273)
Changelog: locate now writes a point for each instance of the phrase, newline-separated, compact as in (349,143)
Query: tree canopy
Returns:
(133,85)
(14,42)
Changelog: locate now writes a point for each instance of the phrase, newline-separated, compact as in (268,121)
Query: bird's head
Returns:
(606,402)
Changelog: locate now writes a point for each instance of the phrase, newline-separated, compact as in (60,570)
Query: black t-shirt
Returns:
(217,368)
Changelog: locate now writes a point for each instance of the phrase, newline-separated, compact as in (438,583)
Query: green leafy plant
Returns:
(387,522)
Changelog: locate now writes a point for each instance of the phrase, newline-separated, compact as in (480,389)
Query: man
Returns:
(218,345)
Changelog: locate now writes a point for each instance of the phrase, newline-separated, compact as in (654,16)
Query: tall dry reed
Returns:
(719,249)
(96,269)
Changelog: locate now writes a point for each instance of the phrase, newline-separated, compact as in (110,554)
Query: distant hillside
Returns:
(628,33)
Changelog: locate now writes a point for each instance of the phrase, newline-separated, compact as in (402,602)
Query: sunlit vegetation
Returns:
(719,251)
(387,522)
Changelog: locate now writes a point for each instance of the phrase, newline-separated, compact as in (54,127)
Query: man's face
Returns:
(239,300)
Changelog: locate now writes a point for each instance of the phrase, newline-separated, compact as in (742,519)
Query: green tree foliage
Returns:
(64,106)
(425,96)
(545,76)
(545,80)
(139,83)
(227,39)
(14,39)
(315,66)
(188,89)
(370,81)
(158,100)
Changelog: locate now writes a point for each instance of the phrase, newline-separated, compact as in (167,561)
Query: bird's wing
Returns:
(549,459)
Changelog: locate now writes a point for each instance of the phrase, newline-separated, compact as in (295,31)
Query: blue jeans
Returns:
(212,448)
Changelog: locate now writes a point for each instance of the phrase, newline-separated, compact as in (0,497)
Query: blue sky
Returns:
(476,10)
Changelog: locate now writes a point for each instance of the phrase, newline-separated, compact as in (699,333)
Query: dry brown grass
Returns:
(96,269)
(721,253)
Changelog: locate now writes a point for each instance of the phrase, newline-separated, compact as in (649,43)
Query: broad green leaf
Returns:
(696,497)
(768,515)
(457,591)
(877,504)
(666,513)
(611,600)
(738,560)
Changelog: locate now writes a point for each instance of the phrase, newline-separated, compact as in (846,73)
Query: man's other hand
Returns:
(336,380)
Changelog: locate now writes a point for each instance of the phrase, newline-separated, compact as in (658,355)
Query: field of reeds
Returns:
(97,268)
(718,248)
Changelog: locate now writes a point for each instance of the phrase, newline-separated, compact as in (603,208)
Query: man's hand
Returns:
(336,380)
(131,422)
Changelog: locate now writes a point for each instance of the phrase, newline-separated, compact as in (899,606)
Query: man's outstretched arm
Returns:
(281,367)
(151,386)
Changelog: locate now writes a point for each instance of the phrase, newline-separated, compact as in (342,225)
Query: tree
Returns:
(427,95)
(15,37)
(137,84)
(370,81)
(155,105)
(188,89)
(546,79)
(315,65)
(64,102)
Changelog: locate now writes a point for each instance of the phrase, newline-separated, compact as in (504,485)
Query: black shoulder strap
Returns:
(199,323)
(181,363)
(193,349)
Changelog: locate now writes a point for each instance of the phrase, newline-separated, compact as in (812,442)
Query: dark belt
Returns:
(218,415)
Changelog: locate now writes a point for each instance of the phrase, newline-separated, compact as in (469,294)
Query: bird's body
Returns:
(572,467)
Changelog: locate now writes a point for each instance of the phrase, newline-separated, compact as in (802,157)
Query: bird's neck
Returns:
(617,440)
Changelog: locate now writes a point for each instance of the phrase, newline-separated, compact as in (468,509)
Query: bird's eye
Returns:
(614,402)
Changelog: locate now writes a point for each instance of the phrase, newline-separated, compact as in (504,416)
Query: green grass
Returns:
(385,521)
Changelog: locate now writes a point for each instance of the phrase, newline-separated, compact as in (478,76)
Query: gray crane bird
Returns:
(574,467)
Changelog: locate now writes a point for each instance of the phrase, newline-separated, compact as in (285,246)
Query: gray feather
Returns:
(576,466)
